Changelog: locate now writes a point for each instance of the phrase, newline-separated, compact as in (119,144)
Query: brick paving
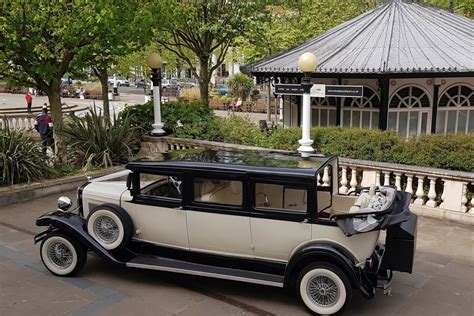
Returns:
(442,282)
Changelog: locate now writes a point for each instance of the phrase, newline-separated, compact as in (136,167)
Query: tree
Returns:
(127,29)
(39,39)
(241,85)
(288,23)
(195,30)
(463,7)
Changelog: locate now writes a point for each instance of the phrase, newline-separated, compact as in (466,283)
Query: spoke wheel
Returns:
(62,255)
(106,229)
(324,288)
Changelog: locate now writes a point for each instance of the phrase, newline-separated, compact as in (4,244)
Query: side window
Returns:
(292,198)
(154,185)
(217,191)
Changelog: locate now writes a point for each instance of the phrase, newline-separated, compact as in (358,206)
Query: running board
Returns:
(171,265)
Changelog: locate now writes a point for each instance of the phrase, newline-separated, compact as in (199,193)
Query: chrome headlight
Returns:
(64,203)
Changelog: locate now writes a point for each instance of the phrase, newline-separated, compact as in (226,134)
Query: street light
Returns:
(307,63)
(154,61)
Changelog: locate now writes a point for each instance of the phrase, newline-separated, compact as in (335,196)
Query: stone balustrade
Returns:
(438,193)
(20,121)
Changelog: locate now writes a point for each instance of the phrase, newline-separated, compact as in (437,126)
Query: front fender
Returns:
(73,225)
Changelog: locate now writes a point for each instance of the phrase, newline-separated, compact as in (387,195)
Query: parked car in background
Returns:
(170,87)
(222,89)
(141,83)
(121,81)
(265,218)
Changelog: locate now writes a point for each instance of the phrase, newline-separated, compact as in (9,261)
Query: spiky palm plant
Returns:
(95,140)
(21,159)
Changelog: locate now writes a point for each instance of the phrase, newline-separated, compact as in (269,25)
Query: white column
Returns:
(377,179)
(305,149)
(326,177)
(432,193)
(409,188)
(419,192)
(353,182)
(158,125)
(386,180)
(281,109)
(398,184)
(471,211)
(343,189)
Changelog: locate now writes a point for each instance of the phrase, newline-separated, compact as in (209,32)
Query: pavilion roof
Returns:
(396,37)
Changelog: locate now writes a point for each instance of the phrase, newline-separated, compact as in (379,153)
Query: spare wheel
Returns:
(110,225)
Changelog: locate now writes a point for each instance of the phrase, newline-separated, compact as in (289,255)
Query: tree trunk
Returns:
(54,98)
(269,95)
(204,79)
(102,75)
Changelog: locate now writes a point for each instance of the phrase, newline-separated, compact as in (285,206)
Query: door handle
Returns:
(305,221)
(178,208)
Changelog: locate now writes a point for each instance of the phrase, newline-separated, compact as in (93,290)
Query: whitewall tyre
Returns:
(110,225)
(324,289)
(62,255)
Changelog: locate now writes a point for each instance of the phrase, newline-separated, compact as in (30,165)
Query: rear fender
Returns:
(73,225)
(325,253)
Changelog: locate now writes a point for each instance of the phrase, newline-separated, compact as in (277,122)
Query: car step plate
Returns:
(178,266)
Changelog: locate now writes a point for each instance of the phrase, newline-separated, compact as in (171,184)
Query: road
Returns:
(442,282)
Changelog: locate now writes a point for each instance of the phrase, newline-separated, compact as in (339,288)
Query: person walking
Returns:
(44,126)
(29,101)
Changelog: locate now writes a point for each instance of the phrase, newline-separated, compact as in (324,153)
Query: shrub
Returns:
(239,130)
(96,141)
(140,116)
(196,120)
(190,93)
(21,159)
(284,138)
(241,85)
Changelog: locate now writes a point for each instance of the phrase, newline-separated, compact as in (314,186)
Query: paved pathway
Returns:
(442,282)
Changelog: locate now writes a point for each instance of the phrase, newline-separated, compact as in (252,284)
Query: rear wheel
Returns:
(324,288)
(62,255)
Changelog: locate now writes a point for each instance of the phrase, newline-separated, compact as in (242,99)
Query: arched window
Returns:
(456,110)
(362,112)
(409,112)
(323,111)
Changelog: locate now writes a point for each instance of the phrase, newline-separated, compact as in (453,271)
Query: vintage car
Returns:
(266,218)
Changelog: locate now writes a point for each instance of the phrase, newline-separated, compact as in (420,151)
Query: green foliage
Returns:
(437,151)
(196,119)
(241,85)
(140,116)
(286,24)
(239,130)
(21,159)
(462,7)
(97,141)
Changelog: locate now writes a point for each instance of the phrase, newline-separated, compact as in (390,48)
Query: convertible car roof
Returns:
(275,163)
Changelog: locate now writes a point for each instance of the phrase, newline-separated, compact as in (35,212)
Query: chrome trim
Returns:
(206,274)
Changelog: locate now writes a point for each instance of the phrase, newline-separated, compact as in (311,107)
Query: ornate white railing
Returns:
(436,192)
(19,121)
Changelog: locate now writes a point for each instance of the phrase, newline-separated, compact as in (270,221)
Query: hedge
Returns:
(454,151)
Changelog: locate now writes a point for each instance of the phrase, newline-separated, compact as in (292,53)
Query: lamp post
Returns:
(154,61)
(307,63)
(115,85)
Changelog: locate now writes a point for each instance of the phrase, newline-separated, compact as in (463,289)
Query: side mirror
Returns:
(64,203)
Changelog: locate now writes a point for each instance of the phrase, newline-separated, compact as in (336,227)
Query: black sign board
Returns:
(344,91)
(291,89)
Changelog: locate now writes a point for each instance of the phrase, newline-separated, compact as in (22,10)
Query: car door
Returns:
(157,209)
(217,219)
(279,220)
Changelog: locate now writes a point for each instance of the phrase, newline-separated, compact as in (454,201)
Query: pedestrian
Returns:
(29,101)
(44,126)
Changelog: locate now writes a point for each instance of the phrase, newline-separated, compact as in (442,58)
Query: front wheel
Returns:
(62,255)
(324,288)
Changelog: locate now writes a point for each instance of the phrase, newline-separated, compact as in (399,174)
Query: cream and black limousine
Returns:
(267,218)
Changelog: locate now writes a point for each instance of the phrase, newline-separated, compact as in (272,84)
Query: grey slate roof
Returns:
(396,37)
